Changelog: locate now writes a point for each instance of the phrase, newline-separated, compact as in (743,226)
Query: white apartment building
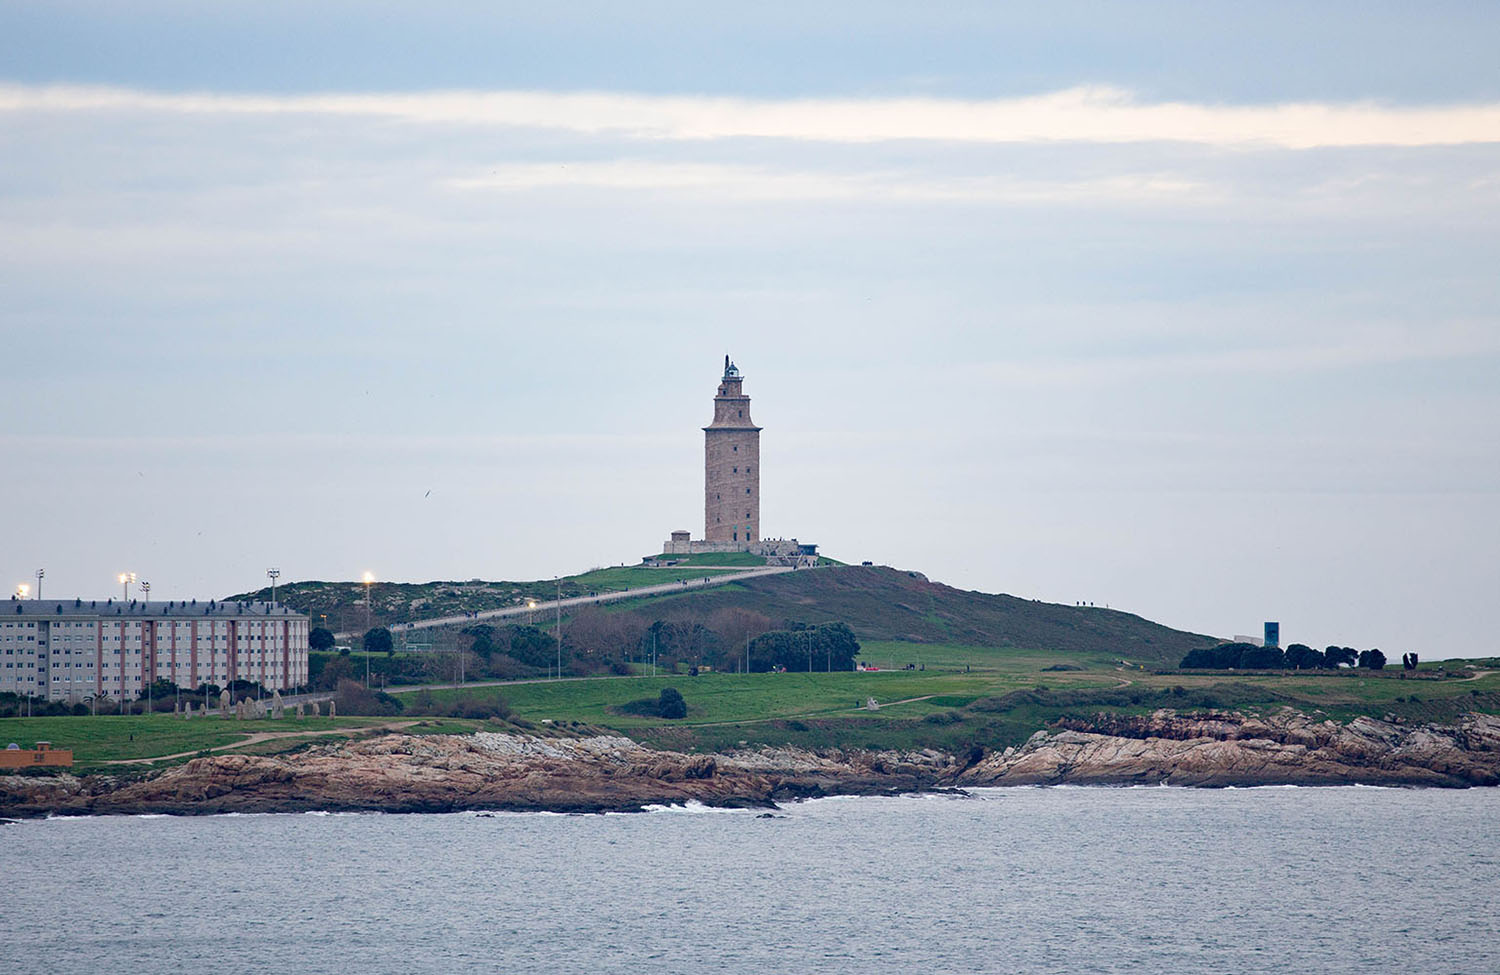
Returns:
(81,648)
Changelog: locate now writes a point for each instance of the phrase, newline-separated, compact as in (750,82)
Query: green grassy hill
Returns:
(881,604)
(889,604)
(341,605)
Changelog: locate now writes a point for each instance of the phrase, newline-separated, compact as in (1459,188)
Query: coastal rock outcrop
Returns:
(1224,749)
(442,773)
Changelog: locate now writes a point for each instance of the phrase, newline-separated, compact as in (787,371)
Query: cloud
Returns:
(727,181)
(1084,114)
(1381,347)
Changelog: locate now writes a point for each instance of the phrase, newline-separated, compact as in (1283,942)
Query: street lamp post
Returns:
(147,671)
(369,625)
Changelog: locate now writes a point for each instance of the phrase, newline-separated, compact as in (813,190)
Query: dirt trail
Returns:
(260,736)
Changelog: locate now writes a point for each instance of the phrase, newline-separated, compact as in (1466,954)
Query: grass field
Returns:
(95,740)
(965,696)
(825,709)
(619,579)
(714,558)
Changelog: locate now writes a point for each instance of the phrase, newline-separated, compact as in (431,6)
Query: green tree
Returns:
(532,647)
(1372,659)
(1300,656)
(1340,656)
(320,638)
(158,689)
(483,646)
(831,646)
(1262,658)
(669,704)
(378,640)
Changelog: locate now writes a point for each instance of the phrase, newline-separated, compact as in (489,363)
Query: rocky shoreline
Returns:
(493,771)
(1231,749)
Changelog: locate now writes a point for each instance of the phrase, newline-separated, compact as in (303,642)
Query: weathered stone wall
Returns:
(785,548)
(731,485)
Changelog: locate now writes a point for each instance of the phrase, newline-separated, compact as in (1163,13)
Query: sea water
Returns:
(1007,880)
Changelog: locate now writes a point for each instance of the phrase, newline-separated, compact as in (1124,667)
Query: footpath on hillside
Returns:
(255,738)
(734,574)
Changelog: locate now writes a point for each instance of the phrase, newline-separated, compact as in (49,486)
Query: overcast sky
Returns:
(1190,309)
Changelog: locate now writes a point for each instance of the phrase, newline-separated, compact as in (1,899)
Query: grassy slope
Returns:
(104,738)
(1001,699)
(889,605)
(957,707)
(714,558)
(343,603)
(879,603)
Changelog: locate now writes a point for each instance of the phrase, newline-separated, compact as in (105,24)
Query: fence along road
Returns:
(552,605)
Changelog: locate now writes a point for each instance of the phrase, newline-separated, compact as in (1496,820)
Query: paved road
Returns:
(552,605)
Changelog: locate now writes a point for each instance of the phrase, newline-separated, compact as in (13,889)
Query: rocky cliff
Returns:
(440,773)
(1288,748)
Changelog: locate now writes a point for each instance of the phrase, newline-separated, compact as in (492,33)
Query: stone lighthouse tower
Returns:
(731,466)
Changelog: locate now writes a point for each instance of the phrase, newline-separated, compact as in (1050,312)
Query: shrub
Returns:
(354,698)
(1300,656)
(1246,656)
(670,704)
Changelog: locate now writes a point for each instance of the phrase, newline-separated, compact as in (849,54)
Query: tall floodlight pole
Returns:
(147,672)
(369,624)
(273,575)
(39,574)
(126,578)
(23,590)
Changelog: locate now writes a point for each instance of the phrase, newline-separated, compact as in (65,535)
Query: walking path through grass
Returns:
(257,737)
(803,714)
(727,575)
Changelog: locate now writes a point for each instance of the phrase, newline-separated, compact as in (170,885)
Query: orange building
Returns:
(14,756)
